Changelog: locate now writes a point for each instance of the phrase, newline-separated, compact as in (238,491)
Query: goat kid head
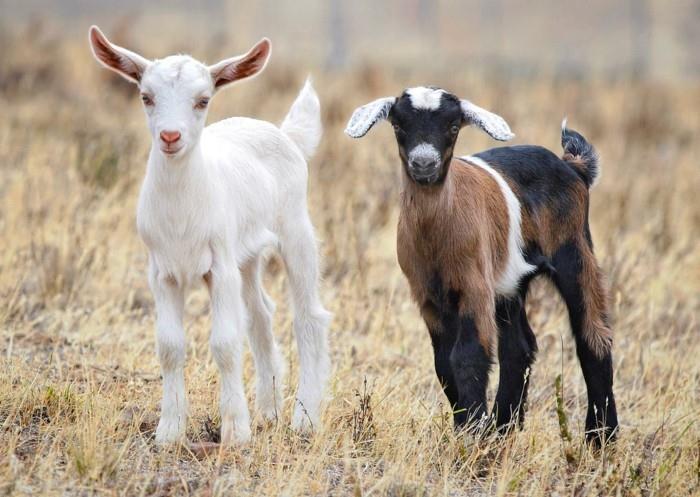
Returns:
(176,90)
(426,121)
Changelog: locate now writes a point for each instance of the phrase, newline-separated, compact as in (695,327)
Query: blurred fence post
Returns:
(337,55)
(641,38)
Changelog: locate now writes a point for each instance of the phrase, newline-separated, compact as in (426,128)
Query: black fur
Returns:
(545,181)
(443,342)
(461,362)
(470,366)
(601,417)
(577,146)
(415,126)
(542,177)
(517,347)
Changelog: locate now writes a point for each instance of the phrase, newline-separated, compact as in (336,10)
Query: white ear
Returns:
(491,123)
(243,66)
(367,116)
(124,62)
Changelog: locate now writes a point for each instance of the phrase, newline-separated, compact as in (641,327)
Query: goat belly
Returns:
(205,260)
(185,264)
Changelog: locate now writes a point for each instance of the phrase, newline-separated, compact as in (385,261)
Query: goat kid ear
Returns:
(244,66)
(491,123)
(124,62)
(368,115)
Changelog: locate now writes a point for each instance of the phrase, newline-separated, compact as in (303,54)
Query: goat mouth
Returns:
(171,152)
(425,179)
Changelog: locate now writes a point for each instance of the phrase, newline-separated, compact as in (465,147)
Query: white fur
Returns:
(303,123)
(491,123)
(425,151)
(363,118)
(516,266)
(208,211)
(423,98)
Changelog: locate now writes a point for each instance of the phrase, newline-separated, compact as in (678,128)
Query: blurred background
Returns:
(79,380)
(653,39)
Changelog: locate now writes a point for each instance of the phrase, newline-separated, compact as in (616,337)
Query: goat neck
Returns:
(427,202)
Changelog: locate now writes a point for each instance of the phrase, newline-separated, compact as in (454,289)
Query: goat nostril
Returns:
(420,163)
(170,137)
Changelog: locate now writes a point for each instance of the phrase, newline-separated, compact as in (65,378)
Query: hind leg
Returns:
(269,368)
(516,352)
(311,320)
(579,281)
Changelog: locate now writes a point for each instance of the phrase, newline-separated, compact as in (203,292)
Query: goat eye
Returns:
(454,129)
(147,100)
(202,103)
(397,128)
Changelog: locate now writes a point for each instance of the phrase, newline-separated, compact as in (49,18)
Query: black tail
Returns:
(580,155)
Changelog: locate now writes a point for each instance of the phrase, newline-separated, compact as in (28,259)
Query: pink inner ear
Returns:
(104,51)
(112,58)
(252,63)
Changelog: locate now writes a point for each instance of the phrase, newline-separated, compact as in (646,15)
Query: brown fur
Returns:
(459,232)
(596,330)
(550,231)
(577,162)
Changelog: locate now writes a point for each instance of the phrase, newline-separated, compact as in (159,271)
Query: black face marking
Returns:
(426,137)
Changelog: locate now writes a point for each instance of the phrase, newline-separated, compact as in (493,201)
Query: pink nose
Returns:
(170,137)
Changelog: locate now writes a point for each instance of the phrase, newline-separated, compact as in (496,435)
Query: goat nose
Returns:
(170,137)
(423,162)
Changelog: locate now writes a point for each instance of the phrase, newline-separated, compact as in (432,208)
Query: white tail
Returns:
(303,122)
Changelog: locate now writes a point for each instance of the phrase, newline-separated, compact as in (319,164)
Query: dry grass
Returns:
(79,381)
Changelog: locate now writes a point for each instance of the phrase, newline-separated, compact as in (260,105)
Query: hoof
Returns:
(234,433)
(170,430)
(304,421)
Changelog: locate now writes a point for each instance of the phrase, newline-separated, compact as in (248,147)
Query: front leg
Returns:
(226,341)
(471,362)
(170,337)
(475,325)
(443,340)
(516,352)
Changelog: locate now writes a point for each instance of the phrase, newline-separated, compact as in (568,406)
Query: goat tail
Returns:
(580,155)
(303,122)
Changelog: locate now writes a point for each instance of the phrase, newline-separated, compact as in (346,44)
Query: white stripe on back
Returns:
(516,266)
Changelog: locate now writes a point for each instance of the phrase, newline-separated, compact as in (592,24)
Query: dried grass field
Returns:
(79,379)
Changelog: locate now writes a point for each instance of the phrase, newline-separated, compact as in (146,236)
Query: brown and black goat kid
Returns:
(474,231)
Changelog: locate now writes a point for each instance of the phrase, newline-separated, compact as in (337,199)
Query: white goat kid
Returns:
(212,200)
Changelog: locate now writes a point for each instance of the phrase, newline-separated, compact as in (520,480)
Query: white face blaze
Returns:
(176,91)
(424,98)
